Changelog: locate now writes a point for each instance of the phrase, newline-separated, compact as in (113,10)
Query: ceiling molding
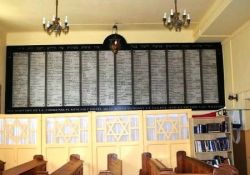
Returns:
(241,29)
(211,15)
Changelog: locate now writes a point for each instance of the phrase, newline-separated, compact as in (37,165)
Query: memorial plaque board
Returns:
(54,79)
(71,78)
(193,77)
(141,77)
(89,78)
(209,73)
(158,77)
(37,79)
(176,77)
(106,78)
(124,78)
(75,78)
(20,79)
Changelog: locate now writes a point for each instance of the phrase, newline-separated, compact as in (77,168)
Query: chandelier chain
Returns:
(56,8)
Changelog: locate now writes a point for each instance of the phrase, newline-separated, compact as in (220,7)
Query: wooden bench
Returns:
(190,165)
(73,167)
(28,168)
(114,165)
(2,163)
(185,166)
(152,166)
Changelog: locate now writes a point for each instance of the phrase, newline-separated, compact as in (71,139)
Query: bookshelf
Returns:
(211,139)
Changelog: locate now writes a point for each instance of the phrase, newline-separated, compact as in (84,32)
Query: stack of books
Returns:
(219,144)
(211,127)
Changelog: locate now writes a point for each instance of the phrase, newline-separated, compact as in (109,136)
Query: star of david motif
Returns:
(21,131)
(175,127)
(60,130)
(162,130)
(74,127)
(11,129)
(117,134)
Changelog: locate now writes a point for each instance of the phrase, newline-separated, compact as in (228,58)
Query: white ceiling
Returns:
(26,15)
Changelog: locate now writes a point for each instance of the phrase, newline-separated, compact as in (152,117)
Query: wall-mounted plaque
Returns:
(158,77)
(54,79)
(210,79)
(89,78)
(124,78)
(106,78)
(193,77)
(75,78)
(20,83)
(141,77)
(71,78)
(37,79)
(176,77)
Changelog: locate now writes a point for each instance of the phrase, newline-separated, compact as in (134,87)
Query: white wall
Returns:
(98,36)
(2,68)
(236,50)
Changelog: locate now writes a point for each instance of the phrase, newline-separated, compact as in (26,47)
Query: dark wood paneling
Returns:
(239,149)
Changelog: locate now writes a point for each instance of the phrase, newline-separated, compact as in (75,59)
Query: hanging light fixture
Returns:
(55,25)
(174,20)
(114,42)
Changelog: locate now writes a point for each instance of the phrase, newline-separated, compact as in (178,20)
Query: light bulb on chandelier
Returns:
(56,25)
(174,20)
(114,42)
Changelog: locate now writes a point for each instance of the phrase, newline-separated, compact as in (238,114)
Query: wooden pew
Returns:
(114,165)
(73,167)
(28,168)
(1,167)
(152,166)
(190,165)
(185,166)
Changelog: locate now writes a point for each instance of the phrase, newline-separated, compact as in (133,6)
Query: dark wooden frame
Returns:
(98,47)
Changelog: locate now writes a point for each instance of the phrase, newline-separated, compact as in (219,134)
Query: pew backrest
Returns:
(28,168)
(152,166)
(73,167)
(190,165)
(114,165)
(2,163)
(158,168)
(145,170)
(187,164)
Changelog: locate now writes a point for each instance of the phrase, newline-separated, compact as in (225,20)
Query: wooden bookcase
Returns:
(211,137)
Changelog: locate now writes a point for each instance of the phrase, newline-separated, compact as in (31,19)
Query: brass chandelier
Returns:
(174,20)
(55,25)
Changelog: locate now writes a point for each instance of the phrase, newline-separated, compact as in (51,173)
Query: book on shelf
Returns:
(218,144)
(211,127)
